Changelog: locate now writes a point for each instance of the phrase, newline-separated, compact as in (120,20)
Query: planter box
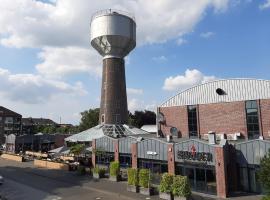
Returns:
(133,188)
(96,176)
(181,198)
(12,157)
(114,178)
(51,165)
(167,196)
(146,191)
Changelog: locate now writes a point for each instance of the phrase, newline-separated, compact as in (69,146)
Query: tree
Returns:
(140,118)
(264,174)
(77,149)
(89,119)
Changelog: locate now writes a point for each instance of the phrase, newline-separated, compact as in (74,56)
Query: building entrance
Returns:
(202,179)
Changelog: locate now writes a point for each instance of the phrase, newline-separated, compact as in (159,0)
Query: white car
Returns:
(1,180)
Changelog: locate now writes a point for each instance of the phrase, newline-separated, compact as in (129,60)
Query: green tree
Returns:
(89,119)
(264,174)
(77,149)
(140,118)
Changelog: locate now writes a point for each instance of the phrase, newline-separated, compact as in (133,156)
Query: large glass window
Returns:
(104,158)
(192,121)
(248,179)
(156,166)
(125,160)
(253,127)
(200,179)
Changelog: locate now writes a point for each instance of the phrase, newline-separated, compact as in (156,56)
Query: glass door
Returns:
(190,173)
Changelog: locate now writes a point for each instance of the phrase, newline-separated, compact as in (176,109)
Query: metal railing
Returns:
(113,11)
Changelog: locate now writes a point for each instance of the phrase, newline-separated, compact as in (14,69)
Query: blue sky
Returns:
(49,69)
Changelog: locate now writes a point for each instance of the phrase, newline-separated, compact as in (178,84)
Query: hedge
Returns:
(144,178)
(166,183)
(181,187)
(114,168)
(132,176)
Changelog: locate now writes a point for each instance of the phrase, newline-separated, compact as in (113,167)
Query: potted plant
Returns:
(98,172)
(144,182)
(181,188)
(165,188)
(114,171)
(132,185)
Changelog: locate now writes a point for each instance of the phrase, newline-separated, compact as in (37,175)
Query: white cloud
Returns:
(265,5)
(61,29)
(160,59)
(138,104)
(181,41)
(189,79)
(58,62)
(133,91)
(31,23)
(207,34)
(34,89)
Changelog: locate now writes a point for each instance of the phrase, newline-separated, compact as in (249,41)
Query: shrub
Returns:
(100,171)
(166,183)
(266,198)
(144,178)
(264,173)
(132,176)
(114,168)
(181,187)
(81,170)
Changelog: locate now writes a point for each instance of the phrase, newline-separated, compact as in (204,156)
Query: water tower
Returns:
(113,35)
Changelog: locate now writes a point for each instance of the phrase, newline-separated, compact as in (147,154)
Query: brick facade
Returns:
(265,117)
(223,118)
(175,117)
(219,117)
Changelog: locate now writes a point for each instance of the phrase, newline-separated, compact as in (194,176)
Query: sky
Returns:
(49,69)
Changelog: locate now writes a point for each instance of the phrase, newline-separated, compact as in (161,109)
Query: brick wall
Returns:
(221,168)
(223,117)
(134,153)
(116,150)
(171,159)
(93,153)
(265,117)
(175,117)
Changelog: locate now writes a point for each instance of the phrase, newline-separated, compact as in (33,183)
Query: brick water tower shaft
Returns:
(113,35)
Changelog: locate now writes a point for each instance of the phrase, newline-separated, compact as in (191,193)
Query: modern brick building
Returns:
(214,133)
(10,123)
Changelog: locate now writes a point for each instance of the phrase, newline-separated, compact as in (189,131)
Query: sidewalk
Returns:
(116,190)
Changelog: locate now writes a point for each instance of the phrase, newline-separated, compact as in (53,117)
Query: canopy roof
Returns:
(59,150)
(105,129)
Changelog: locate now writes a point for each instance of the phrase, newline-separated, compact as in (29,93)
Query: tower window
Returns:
(103,118)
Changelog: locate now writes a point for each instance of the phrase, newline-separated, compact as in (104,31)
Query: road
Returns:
(25,182)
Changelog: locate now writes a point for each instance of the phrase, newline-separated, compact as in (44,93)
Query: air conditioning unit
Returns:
(212,137)
(205,136)
(233,136)
(221,136)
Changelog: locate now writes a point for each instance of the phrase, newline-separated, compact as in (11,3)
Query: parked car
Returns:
(1,180)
